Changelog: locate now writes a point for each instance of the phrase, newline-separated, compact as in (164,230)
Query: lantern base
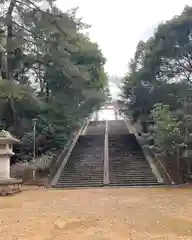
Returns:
(10,186)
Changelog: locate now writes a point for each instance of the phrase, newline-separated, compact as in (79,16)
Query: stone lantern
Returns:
(6,151)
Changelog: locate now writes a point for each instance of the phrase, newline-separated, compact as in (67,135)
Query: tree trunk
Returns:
(178,157)
(2,54)
(47,92)
(144,125)
(188,167)
(9,40)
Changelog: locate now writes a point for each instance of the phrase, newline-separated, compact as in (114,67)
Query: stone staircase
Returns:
(117,127)
(85,166)
(96,128)
(127,164)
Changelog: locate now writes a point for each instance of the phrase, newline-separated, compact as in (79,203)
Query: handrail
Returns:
(56,165)
(106,156)
(163,169)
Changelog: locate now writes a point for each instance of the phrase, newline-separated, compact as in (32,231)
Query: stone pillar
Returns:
(116,115)
(97,115)
(106,156)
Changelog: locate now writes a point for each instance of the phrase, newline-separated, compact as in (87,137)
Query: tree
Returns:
(167,128)
(50,71)
(173,43)
(158,82)
(160,70)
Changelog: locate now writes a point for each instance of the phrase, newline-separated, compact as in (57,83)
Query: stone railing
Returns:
(106,156)
(164,173)
(64,155)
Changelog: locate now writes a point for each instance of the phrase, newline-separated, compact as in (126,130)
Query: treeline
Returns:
(50,72)
(157,89)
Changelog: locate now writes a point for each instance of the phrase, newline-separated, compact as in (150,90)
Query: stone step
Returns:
(130,177)
(81,170)
(80,182)
(85,166)
(141,163)
(96,128)
(81,178)
(115,176)
(77,179)
(127,181)
(147,175)
(135,184)
(132,180)
(129,168)
(82,175)
(63,184)
(130,174)
(127,164)
(117,127)
(78,185)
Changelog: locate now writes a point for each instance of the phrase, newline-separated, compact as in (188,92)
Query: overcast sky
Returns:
(118,25)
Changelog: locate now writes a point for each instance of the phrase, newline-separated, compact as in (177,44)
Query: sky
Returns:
(118,25)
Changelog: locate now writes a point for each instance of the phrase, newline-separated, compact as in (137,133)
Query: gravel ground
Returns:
(97,214)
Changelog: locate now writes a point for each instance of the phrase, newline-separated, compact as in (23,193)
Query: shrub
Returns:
(24,170)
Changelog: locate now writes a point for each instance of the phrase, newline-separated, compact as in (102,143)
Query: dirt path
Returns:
(97,214)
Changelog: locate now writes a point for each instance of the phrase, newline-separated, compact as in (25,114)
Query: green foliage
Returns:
(50,71)
(168,128)
(159,81)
